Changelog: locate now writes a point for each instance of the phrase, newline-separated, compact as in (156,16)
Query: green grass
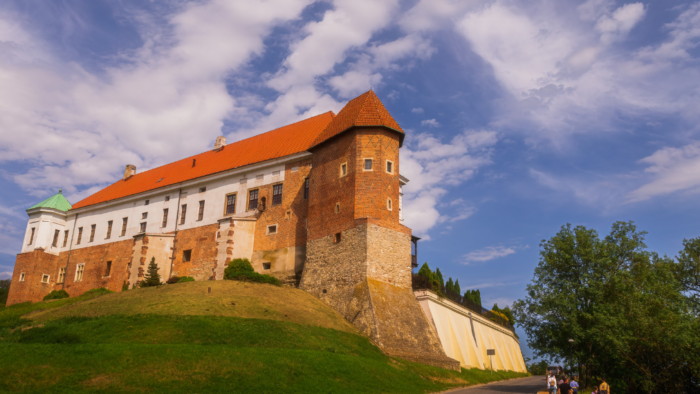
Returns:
(188,353)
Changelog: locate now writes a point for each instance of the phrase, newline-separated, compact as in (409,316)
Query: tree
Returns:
(620,303)
(152,278)
(440,280)
(449,286)
(688,270)
(456,287)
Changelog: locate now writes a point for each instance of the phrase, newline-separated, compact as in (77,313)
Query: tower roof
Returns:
(363,111)
(57,201)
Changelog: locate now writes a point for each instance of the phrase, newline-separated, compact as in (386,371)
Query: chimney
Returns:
(129,171)
(220,143)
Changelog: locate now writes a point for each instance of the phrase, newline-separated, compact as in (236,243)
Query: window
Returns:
(183,213)
(65,238)
(61,275)
(21,277)
(389,166)
(253,199)
(124,221)
(230,204)
(388,204)
(165,218)
(200,214)
(108,269)
(92,232)
(202,189)
(45,278)
(272,229)
(343,169)
(147,202)
(80,235)
(79,272)
(306,189)
(186,255)
(337,207)
(277,194)
(368,165)
(144,215)
(336,238)
(109,229)
(266,266)
(142,228)
(31,237)
(55,238)
(167,198)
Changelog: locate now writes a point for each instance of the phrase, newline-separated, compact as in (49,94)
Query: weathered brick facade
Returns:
(202,242)
(34,265)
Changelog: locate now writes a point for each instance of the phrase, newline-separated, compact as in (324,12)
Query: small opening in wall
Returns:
(21,277)
(147,202)
(202,189)
(272,229)
(336,238)
(186,255)
(388,204)
(266,266)
(44,278)
(337,207)
(167,198)
(108,269)
(324,291)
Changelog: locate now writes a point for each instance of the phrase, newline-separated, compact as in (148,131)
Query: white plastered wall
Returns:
(45,222)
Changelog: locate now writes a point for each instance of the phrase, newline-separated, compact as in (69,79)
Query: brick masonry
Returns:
(34,265)
(202,241)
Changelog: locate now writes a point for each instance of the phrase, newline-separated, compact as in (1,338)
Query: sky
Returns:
(520,117)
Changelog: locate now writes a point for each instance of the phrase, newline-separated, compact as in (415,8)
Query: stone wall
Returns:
(389,256)
(34,265)
(202,241)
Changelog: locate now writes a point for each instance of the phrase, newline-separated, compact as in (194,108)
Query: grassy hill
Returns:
(241,337)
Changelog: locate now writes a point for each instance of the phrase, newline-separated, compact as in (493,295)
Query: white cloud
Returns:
(352,83)
(417,110)
(432,167)
(672,170)
(620,22)
(6,275)
(488,253)
(430,122)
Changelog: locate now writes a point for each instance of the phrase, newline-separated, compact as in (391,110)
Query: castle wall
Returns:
(389,256)
(146,247)
(202,242)
(34,265)
(95,259)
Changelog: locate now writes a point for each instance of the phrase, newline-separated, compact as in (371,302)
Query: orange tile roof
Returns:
(285,141)
(364,110)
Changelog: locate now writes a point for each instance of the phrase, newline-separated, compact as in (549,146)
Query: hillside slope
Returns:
(241,337)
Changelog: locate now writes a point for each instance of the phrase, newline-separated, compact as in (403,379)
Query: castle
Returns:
(316,203)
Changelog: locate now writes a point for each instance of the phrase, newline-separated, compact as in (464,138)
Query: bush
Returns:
(185,279)
(172,280)
(241,269)
(56,295)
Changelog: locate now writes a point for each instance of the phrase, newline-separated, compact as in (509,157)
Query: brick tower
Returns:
(358,254)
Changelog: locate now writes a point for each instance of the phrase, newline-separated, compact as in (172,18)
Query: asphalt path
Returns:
(529,385)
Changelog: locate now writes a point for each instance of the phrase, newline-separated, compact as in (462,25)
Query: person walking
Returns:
(564,388)
(574,386)
(552,384)
(604,388)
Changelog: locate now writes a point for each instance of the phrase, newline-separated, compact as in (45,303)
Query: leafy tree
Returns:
(4,291)
(620,303)
(688,270)
(152,278)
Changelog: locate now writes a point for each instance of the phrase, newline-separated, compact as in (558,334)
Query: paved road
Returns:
(524,385)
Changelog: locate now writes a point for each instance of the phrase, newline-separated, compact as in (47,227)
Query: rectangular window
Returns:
(31,237)
(277,194)
(272,229)
(80,235)
(55,238)
(389,166)
(266,266)
(147,202)
(45,278)
(230,204)
(186,255)
(202,189)
(21,277)
(343,169)
(79,272)
(142,228)
(167,198)
(61,275)
(200,214)
(336,238)
(165,218)
(108,269)
(253,199)
(65,238)
(144,215)
(92,232)
(306,189)
(109,229)
(368,165)
(124,222)
(388,204)
(183,213)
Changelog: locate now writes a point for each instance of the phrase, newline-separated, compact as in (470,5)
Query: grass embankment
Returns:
(181,339)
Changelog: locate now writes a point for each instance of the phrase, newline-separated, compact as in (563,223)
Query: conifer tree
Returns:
(439,278)
(456,288)
(449,286)
(425,271)
(478,297)
(152,278)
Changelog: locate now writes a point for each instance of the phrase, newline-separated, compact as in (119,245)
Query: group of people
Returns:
(566,386)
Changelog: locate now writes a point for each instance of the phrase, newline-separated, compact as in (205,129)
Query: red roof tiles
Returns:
(285,141)
(364,110)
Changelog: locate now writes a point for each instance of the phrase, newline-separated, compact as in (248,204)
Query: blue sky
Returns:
(520,116)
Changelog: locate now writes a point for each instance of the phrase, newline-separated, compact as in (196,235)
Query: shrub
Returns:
(172,280)
(152,278)
(185,279)
(125,287)
(241,269)
(56,295)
